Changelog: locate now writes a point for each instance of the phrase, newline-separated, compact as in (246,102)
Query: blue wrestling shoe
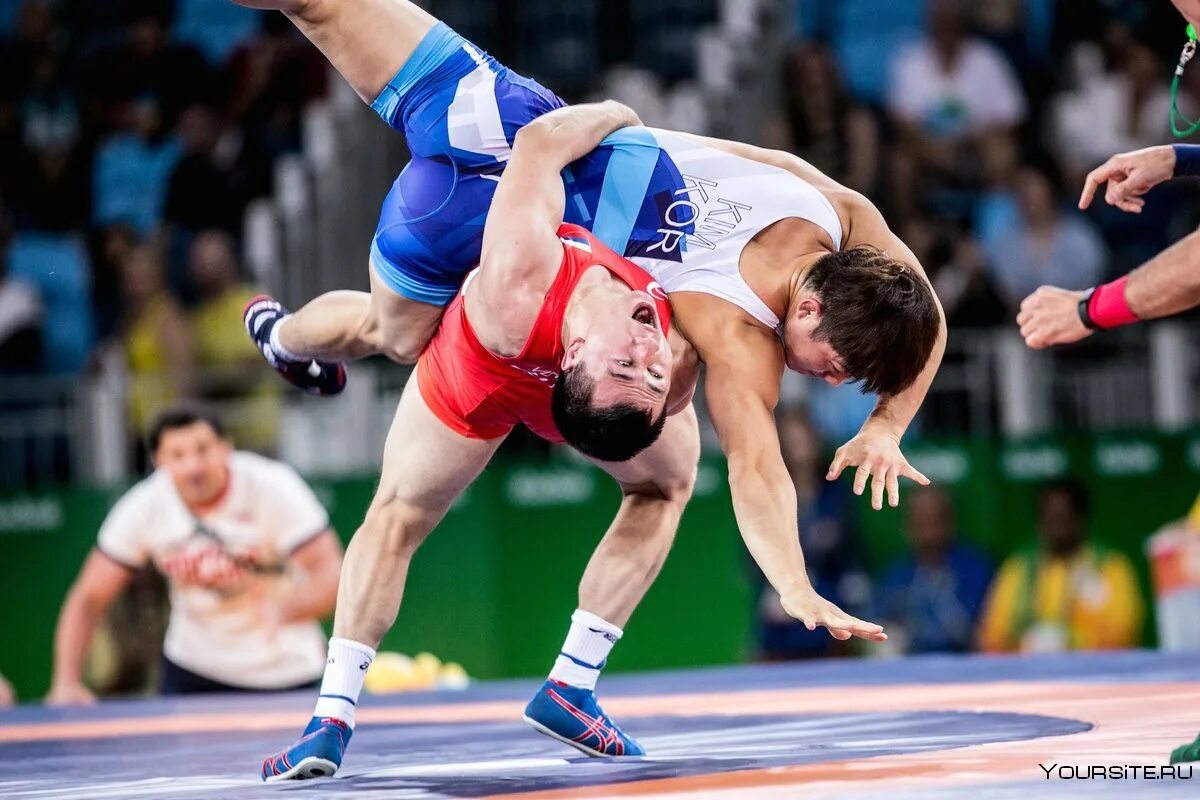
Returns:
(572,716)
(318,754)
(314,377)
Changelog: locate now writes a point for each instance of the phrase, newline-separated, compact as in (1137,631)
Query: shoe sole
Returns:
(542,729)
(309,767)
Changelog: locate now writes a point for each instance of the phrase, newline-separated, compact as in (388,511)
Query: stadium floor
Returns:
(928,728)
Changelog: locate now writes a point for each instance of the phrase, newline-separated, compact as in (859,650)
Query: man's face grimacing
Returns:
(626,354)
(807,355)
(197,459)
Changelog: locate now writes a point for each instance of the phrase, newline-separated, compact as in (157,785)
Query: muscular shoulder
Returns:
(716,328)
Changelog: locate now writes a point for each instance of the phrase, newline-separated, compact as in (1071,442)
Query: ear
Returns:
(809,306)
(571,356)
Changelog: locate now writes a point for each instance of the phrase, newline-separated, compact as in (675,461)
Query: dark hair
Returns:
(616,433)
(1071,488)
(878,314)
(181,416)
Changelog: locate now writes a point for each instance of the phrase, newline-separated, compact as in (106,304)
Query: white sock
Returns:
(278,349)
(345,671)
(585,650)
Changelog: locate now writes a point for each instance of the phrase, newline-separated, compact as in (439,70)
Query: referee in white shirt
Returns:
(248,553)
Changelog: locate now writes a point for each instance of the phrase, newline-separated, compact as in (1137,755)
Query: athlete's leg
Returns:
(656,485)
(345,325)
(425,467)
(367,41)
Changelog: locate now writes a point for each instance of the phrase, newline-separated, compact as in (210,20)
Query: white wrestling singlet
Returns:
(726,200)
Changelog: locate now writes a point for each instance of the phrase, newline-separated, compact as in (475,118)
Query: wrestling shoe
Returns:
(572,716)
(1186,752)
(318,754)
(314,377)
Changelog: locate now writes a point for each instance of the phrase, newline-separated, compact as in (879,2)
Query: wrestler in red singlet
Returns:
(481,395)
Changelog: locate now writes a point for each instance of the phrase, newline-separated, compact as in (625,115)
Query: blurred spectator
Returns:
(143,65)
(110,247)
(1031,240)
(7,696)
(233,369)
(929,601)
(958,270)
(1022,29)
(275,74)
(1109,110)
(132,168)
(830,545)
(201,192)
(248,552)
(823,125)
(155,338)
(859,31)
(21,315)
(957,103)
(1067,593)
(57,264)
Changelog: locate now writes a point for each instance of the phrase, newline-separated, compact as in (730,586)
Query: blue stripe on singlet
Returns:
(626,179)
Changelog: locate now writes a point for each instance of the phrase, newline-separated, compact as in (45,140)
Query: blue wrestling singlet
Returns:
(460,111)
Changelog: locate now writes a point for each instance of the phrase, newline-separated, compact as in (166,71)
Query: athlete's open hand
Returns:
(877,455)
(813,610)
(1129,176)
(1050,316)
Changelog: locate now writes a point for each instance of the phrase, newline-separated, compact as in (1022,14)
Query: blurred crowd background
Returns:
(162,160)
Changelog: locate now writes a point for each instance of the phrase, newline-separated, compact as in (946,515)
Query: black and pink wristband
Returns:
(1105,307)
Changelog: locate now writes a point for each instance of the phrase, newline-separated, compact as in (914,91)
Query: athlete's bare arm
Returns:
(743,366)
(521,252)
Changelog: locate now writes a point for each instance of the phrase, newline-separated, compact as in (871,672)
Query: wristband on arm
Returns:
(1187,159)
(1104,307)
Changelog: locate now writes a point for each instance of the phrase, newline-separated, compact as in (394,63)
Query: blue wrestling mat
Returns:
(941,727)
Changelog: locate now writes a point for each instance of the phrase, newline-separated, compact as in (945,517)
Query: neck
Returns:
(597,288)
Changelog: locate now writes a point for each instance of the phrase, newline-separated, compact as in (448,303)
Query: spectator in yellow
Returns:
(1067,593)
(234,376)
(155,338)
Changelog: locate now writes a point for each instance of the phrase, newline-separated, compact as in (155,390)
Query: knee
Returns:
(673,488)
(400,343)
